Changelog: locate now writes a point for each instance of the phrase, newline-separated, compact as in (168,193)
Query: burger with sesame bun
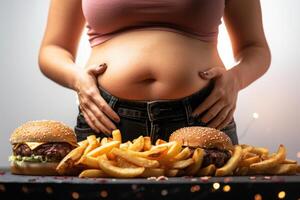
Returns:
(38,147)
(216,144)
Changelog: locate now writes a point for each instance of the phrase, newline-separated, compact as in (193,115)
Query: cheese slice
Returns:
(33,145)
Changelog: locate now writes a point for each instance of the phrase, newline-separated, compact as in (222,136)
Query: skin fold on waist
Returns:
(152,64)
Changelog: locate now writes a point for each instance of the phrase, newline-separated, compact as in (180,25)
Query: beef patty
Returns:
(51,151)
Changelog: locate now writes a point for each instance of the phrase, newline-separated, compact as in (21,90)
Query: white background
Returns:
(27,95)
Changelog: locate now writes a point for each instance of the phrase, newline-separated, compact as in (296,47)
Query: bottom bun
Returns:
(30,168)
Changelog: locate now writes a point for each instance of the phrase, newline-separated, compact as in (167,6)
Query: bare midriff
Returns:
(154,64)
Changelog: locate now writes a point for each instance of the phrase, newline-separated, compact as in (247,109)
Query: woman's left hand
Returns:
(220,105)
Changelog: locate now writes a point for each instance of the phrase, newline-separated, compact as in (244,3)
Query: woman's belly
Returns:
(152,64)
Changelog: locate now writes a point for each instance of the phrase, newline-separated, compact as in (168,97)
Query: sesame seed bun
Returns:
(203,137)
(43,131)
(31,168)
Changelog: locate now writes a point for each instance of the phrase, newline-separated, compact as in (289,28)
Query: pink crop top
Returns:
(196,18)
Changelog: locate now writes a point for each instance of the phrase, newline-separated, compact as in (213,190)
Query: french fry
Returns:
(116,134)
(288,161)
(198,158)
(91,139)
(249,155)
(103,149)
(137,145)
(89,162)
(283,169)
(168,144)
(103,141)
(232,163)
(153,153)
(246,150)
(89,148)
(184,154)
(93,143)
(207,171)
(171,172)
(124,146)
(121,162)
(112,162)
(247,162)
(265,157)
(139,161)
(93,173)
(260,151)
(174,150)
(118,172)
(271,162)
(160,141)
(69,160)
(153,172)
(298,169)
(110,156)
(110,139)
(181,164)
(241,171)
(147,143)
(83,142)
(244,146)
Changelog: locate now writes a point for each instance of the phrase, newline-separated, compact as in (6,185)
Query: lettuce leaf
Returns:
(32,158)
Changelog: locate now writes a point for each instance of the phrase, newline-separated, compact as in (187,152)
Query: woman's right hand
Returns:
(96,111)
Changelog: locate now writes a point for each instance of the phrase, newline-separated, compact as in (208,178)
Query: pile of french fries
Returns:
(109,157)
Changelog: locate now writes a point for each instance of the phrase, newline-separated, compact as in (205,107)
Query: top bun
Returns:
(43,131)
(203,137)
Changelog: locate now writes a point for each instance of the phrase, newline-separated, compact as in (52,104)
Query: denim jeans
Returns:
(157,118)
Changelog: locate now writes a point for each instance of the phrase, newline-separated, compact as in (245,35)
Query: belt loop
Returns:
(112,102)
(151,108)
(188,110)
(149,111)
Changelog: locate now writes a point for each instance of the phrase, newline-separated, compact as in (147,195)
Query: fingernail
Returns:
(113,128)
(117,120)
(108,132)
(99,67)
(103,65)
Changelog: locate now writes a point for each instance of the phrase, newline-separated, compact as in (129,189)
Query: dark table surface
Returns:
(64,187)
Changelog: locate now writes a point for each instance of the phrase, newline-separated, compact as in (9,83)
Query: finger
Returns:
(207,103)
(213,111)
(88,121)
(227,120)
(96,122)
(101,117)
(221,116)
(212,73)
(95,69)
(105,108)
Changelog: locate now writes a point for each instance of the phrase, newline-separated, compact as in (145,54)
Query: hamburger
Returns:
(38,147)
(216,144)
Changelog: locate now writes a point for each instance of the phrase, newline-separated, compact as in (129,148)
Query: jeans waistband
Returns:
(156,109)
